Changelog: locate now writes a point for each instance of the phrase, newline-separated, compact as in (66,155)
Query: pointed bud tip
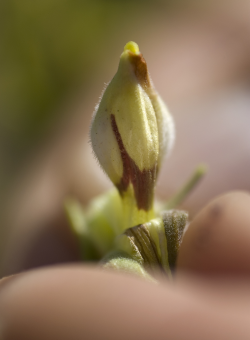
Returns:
(132,47)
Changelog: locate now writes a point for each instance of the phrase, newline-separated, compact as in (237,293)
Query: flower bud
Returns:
(122,263)
(131,131)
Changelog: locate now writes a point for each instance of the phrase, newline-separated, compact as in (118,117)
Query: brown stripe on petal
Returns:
(141,238)
(140,69)
(143,181)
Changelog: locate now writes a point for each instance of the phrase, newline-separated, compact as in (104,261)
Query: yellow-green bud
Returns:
(127,265)
(132,130)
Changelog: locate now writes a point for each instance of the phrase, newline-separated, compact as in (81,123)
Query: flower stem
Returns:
(181,195)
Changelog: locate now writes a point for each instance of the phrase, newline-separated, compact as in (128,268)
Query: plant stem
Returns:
(181,195)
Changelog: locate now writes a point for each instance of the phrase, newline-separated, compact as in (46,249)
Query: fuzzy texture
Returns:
(132,130)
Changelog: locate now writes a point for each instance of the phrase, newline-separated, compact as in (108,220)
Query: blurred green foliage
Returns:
(48,48)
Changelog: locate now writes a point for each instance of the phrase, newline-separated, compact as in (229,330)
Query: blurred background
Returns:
(56,56)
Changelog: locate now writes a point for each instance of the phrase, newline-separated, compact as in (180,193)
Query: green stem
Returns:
(178,198)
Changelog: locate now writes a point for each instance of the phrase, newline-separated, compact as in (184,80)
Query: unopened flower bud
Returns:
(131,131)
(123,263)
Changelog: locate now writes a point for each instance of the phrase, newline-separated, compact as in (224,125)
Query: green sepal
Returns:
(142,240)
(127,245)
(174,222)
(99,223)
(157,233)
(77,222)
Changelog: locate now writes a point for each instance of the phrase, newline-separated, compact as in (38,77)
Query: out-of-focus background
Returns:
(55,57)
